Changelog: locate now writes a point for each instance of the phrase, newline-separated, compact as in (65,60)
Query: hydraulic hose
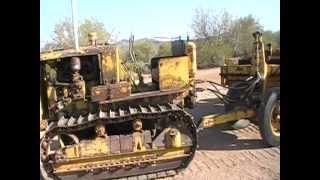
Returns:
(248,88)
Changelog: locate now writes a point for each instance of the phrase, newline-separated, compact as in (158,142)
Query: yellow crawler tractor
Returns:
(253,92)
(98,122)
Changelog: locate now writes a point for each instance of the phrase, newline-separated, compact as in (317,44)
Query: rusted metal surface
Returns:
(149,172)
(116,146)
(126,143)
(173,72)
(139,159)
(100,130)
(99,93)
(143,95)
(120,90)
(147,138)
(110,92)
(56,54)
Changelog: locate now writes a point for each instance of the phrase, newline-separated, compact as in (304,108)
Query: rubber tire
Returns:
(264,117)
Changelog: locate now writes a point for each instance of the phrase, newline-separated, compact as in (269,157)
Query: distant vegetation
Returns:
(217,36)
(63,33)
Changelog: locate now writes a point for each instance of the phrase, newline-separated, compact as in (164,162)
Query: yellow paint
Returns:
(41,110)
(97,146)
(192,53)
(123,73)
(173,137)
(123,159)
(100,130)
(216,119)
(112,68)
(270,73)
(108,68)
(72,152)
(236,70)
(44,56)
(65,92)
(97,92)
(275,119)
(231,61)
(137,142)
(124,89)
(117,59)
(174,72)
(52,95)
(274,69)
(42,133)
(51,55)
(82,83)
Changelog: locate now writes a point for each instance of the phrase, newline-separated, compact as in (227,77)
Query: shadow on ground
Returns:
(218,138)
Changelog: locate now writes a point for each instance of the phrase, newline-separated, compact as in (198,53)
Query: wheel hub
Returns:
(275,119)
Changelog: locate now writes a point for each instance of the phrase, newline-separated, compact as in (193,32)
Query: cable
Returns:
(248,88)
(198,81)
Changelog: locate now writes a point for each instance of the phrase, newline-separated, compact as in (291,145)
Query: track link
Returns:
(119,115)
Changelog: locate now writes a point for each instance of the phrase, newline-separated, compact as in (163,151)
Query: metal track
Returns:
(111,116)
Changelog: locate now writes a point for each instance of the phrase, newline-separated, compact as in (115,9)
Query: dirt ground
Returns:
(228,154)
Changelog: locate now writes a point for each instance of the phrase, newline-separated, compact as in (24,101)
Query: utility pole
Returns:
(75,25)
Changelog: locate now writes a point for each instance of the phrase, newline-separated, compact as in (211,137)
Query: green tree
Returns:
(92,25)
(165,49)
(241,35)
(271,37)
(145,50)
(219,35)
(211,26)
(63,33)
(212,54)
(213,33)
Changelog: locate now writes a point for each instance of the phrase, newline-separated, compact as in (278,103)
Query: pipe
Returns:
(117,58)
(191,51)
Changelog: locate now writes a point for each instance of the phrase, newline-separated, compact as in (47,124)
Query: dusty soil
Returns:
(228,154)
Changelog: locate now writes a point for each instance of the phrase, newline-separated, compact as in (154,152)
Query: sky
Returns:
(152,18)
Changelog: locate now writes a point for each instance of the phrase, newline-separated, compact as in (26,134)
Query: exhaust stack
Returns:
(75,25)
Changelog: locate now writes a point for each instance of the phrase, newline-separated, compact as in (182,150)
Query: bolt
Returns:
(137,125)
(173,132)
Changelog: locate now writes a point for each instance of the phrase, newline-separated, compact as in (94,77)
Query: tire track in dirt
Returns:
(206,163)
(271,152)
(210,159)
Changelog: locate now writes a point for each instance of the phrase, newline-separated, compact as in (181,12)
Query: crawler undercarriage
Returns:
(166,142)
